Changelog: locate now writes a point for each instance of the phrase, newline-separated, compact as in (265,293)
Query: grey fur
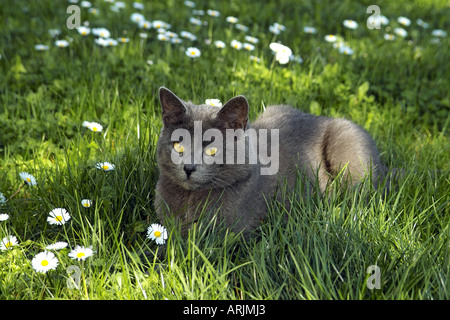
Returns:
(316,147)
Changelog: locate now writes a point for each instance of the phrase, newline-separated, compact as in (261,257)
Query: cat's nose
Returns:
(189,168)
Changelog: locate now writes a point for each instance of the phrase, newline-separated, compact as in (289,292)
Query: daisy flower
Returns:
(4,217)
(94,126)
(439,33)
(111,42)
(282,52)
(232,19)
(236,44)
(101,32)
(213,102)
(251,39)
(160,24)
(213,13)
(350,24)
(404,21)
(198,12)
(105,166)
(57,245)
(44,261)
(195,21)
(330,38)
(422,23)
(86,4)
(188,35)
(310,30)
(376,21)
(346,50)
(2,198)
(189,4)
(94,11)
(28,178)
(248,46)
(81,253)
(157,232)
(144,24)
(123,40)
(389,37)
(8,242)
(101,42)
(400,32)
(256,59)
(219,44)
(138,6)
(137,17)
(163,37)
(54,32)
(58,216)
(176,40)
(86,203)
(241,27)
(62,43)
(276,28)
(41,47)
(84,31)
(193,52)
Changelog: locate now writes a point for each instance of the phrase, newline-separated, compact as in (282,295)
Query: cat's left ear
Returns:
(173,108)
(234,113)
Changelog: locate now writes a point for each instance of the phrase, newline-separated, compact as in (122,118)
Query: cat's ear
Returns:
(173,108)
(234,113)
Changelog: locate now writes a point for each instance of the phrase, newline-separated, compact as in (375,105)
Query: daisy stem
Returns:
(20,188)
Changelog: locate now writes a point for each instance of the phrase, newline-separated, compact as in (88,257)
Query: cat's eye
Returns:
(178,147)
(210,151)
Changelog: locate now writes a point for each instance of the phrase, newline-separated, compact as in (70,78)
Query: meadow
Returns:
(80,118)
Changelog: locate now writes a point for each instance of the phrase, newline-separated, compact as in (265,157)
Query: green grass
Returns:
(397,90)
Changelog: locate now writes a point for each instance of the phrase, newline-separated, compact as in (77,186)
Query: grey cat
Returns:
(312,148)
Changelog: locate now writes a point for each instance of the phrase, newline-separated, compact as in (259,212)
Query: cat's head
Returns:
(196,140)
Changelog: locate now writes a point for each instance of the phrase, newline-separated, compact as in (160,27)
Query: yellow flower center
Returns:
(80,255)
(28,179)
(84,33)
(86,204)
(44,263)
(157,234)
(9,244)
(94,129)
(105,167)
(59,218)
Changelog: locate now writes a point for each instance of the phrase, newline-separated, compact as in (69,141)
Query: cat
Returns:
(314,148)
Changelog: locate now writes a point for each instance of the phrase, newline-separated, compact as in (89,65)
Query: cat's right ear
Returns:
(173,108)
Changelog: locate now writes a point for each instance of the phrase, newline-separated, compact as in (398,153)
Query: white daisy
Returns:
(86,4)
(193,52)
(105,166)
(251,39)
(236,44)
(157,232)
(276,28)
(145,24)
(84,31)
(123,40)
(138,5)
(195,21)
(198,12)
(2,198)
(160,24)
(41,47)
(62,43)
(189,4)
(377,21)
(44,261)
(137,17)
(188,35)
(81,253)
(8,242)
(256,59)
(400,32)
(213,13)
(54,32)
(86,203)
(422,23)
(241,27)
(93,126)
(310,30)
(58,216)
(232,19)
(213,102)
(57,245)
(330,38)
(350,24)
(4,216)
(248,46)
(28,178)
(404,21)
(219,44)
(439,33)
(346,50)
(101,32)
(282,52)
(163,37)
(389,37)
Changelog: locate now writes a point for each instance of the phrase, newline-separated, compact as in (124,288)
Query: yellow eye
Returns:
(210,151)
(178,147)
